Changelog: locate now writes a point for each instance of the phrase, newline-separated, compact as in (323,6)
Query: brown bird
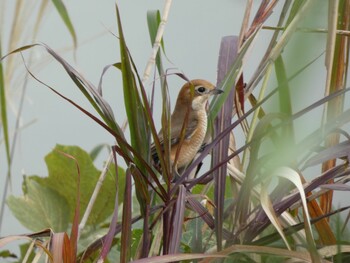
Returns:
(191,101)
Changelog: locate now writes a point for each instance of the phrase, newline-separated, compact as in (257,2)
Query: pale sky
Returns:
(192,40)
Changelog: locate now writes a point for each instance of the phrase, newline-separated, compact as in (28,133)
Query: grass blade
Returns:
(227,56)
(3,109)
(61,9)
(126,220)
(337,61)
(178,220)
(111,231)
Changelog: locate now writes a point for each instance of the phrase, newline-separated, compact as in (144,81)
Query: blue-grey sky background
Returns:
(192,40)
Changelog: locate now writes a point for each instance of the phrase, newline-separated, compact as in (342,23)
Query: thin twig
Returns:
(277,49)
(330,49)
(245,22)
(309,30)
(94,194)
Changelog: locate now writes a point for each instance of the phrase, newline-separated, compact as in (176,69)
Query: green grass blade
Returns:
(153,21)
(125,249)
(135,112)
(285,101)
(133,105)
(4,119)
(61,9)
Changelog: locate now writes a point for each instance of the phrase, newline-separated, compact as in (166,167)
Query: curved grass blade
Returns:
(102,107)
(177,257)
(285,204)
(267,206)
(269,239)
(294,177)
(116,65)
(62,10)
(124,150)
(86,87)
(340,150)
(299,255)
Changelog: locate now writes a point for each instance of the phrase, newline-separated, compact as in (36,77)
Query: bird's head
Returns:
(196,93)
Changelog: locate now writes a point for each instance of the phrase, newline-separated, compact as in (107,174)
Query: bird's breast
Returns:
(191,145)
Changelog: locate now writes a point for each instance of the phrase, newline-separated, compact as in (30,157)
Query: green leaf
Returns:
(133,105)
(7,254)
(61,9)
(153,21)
(45,198)
(284,89)
(3,110)
(135,111)
(24,249)
(41,207)
(136,239)
(63,177)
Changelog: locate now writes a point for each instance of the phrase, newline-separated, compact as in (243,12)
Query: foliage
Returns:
(254,204)
(55,195)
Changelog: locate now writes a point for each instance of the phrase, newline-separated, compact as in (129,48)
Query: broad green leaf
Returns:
(62,180)
(61,9)
(40,207)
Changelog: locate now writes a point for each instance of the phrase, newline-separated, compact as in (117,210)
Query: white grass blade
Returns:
(292,176)
(268,208)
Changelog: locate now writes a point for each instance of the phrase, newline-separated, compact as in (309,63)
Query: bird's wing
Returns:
(176,130)
(175,136)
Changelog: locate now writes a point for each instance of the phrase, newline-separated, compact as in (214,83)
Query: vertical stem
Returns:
(337,66)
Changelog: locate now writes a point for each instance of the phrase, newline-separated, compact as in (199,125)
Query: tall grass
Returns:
(256,202)
(25,26)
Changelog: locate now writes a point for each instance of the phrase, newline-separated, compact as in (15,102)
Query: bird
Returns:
(190,107)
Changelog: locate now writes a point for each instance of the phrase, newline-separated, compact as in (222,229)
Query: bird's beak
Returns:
(216,92)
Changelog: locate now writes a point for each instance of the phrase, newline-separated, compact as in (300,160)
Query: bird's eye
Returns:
(201,89)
